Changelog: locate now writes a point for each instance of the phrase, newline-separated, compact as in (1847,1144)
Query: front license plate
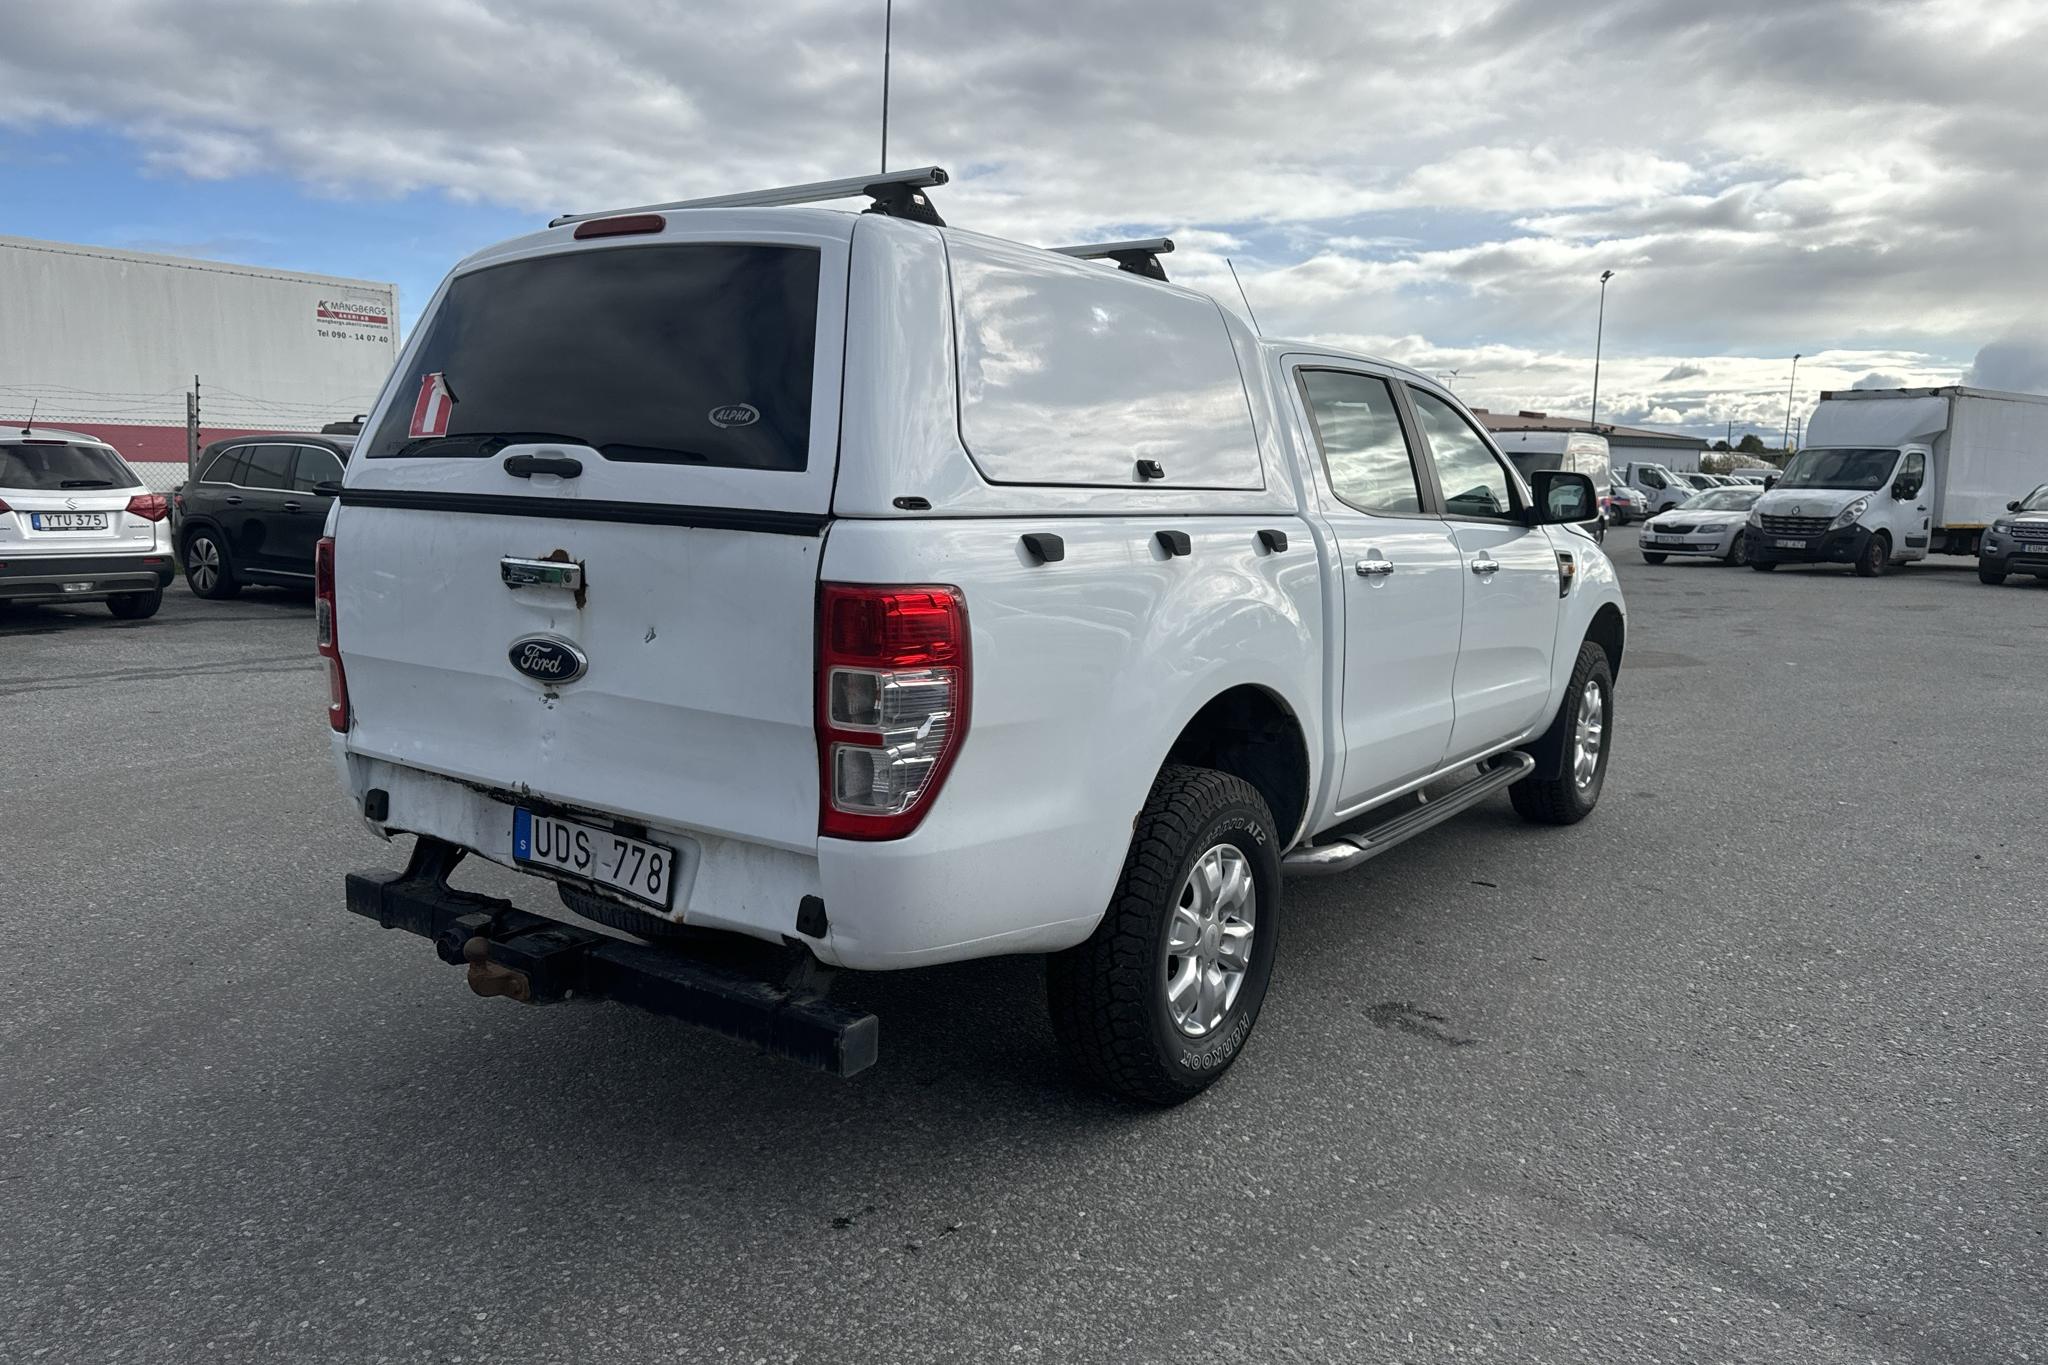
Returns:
(634,867)
(1791,544)
(68,521)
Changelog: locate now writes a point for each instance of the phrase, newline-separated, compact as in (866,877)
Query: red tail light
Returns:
(329,645)
(893,687)
(150,506)
(4,507)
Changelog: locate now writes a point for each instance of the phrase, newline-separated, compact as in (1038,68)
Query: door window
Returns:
(1475,484)
(1359,430)
(228,467)
(314,466)
(269,467)
(1912,475)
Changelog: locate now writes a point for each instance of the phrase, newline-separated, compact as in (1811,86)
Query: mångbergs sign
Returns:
(353,312)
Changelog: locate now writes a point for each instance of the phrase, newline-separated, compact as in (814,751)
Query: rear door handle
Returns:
(526,466)
(1483,567)
(232,500)
(1375,567)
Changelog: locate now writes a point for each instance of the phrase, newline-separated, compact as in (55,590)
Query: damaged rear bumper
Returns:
(541,961)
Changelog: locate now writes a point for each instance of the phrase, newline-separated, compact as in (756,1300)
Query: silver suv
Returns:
(77,525)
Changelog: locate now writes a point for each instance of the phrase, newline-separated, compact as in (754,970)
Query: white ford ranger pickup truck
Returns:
(869,594)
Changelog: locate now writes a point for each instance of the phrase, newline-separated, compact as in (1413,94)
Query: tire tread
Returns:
(1098,991)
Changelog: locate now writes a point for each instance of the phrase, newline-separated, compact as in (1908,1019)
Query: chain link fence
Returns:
(159,433)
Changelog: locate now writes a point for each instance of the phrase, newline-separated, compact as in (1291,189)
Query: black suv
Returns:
(255,508)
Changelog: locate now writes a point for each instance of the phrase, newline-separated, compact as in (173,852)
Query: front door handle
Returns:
(1375,568)
(293,507)
(1483,567)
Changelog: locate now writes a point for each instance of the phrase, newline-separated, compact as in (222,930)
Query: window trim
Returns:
(1426,493)
(1518,494)
(251,443)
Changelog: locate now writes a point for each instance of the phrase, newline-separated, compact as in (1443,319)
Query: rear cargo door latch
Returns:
(541,573)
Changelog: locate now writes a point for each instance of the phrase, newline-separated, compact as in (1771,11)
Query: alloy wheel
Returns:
(1209,940)
(1589,735)
(202,565)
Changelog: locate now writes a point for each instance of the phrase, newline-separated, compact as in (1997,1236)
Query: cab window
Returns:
(1359,430)
(1475,483)
(1912,475)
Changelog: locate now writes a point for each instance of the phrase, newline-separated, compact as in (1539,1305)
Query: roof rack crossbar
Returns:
(895,194)
(1139,257)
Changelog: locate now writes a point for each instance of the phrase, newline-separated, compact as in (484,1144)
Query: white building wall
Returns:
(114,336)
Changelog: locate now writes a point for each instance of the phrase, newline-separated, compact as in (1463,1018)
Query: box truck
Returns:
(1892,475)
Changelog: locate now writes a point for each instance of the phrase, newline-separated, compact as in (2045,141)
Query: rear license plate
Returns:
(68,521)
(1791,544)
(634,867)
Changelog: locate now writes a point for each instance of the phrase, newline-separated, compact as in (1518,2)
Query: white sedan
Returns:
(1708,525)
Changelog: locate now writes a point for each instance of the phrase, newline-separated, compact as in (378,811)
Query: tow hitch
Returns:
(539,961)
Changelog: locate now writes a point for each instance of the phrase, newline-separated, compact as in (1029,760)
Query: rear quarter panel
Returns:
(1083,674)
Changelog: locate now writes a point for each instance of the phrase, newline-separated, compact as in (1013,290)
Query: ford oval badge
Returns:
(734,415)
(548,659)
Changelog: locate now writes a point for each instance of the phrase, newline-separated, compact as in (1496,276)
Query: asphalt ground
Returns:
(1749,1066)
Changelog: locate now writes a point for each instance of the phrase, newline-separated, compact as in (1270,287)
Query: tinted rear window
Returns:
(694,355)
(51,467)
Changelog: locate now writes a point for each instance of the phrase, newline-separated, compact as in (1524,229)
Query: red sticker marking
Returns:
(430,412)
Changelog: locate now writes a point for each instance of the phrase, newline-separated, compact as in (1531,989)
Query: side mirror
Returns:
(2013,506)
(327,488)
(1770,482)
(1563,498)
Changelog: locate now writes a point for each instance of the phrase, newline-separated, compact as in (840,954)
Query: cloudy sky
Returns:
(1863,181)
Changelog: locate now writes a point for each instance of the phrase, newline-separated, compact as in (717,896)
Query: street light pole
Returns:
(1599,330)
(1785,441)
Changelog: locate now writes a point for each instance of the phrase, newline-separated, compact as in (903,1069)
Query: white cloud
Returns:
(1766,178)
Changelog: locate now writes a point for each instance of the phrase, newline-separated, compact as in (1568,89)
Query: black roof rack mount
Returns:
(1140,257)
(896,193)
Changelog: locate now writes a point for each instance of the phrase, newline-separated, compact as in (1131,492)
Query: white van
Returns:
(1575,452)
(1660,487)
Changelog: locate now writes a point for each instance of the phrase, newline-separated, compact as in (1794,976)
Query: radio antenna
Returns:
(29,425)
(888,26)
(1246,297)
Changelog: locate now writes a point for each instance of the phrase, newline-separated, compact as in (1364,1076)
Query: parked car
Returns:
(1699,481)
(78,525)
(1625,505)
(2018,541)
(255,508)
(1708,525)
(929,597)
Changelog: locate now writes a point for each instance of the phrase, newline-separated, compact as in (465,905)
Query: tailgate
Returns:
(659,413)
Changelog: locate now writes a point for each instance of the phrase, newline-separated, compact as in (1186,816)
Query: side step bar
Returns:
(1347,851)
(541,961)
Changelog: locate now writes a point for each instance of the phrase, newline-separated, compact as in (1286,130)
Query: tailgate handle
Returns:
(526,466)
(541,573)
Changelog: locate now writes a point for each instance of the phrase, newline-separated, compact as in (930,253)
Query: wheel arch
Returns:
(1250,731)
(1609,631)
